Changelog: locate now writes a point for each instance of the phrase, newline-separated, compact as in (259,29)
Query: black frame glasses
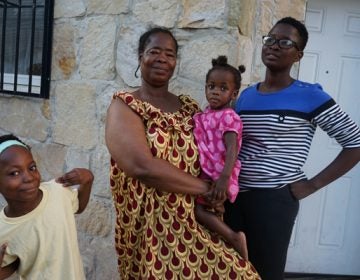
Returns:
(268,41)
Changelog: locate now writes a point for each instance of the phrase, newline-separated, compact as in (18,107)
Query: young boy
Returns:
(38,236)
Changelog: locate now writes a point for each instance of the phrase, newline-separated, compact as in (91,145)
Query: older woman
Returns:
(154,180)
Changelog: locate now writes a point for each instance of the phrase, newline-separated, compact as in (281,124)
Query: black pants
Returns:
(267,218)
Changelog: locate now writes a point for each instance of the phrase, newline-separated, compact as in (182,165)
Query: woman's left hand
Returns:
(219,193)
(209,197)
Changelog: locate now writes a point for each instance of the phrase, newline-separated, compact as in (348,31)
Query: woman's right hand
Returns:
(211,196)
(220,191)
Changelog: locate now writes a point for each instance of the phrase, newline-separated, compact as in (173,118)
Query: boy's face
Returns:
(19,177)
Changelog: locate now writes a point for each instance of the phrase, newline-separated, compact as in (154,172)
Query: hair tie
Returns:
(6,144)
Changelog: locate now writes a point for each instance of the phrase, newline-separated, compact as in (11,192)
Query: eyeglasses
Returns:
(282,43)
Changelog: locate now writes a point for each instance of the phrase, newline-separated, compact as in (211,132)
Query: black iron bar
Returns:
(17,45)
(3,35)
(33,15)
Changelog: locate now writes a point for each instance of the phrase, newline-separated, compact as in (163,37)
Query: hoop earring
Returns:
(137,69)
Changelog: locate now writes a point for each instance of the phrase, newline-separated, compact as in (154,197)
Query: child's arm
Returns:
(231,145)
(82,177)
(8,270)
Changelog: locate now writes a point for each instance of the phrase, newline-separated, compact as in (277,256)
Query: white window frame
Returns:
(22,82)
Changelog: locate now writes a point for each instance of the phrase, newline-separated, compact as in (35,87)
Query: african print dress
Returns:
(156,235)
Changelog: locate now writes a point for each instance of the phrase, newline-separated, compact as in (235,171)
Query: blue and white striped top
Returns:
(278,130)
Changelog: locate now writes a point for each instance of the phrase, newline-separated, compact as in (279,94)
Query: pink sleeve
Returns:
(230,121)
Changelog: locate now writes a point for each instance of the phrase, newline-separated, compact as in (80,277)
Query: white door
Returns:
(326,236)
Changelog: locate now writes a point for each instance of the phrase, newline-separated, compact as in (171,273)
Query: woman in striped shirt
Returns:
(280,116)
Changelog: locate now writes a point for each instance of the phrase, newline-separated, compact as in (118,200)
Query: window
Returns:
(25,47)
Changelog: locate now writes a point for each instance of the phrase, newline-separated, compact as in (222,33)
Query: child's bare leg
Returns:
(211,221)
(240,244)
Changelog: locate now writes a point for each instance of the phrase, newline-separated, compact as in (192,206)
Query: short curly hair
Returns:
(299,26)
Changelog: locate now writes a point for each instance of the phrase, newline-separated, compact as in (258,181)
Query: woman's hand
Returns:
(302,189)
(211,196)
(219,193)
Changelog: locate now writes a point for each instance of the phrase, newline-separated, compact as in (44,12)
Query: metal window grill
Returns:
(25,47)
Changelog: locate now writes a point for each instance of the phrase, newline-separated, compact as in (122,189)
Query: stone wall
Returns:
(94,54)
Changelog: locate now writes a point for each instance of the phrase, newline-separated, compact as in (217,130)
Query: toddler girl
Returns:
(218,134)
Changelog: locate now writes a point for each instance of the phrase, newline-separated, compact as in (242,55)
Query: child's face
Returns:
(220,89)
(19,177)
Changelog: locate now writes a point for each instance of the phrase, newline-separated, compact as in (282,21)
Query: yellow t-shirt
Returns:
(45,240)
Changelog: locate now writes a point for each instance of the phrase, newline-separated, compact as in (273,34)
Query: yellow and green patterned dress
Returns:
(156,234)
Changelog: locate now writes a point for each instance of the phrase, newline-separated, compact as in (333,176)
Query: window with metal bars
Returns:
(25,47)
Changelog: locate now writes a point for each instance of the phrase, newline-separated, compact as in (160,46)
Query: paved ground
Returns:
(323,278)
(289,277)
(320,277)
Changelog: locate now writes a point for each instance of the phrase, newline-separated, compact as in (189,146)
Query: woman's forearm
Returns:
(345,161)
(164,176)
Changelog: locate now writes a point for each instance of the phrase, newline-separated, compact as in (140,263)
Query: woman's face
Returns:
(276,58)
(158,61)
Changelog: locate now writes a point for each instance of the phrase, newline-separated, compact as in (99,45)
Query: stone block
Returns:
(64,54)
(69,8)
(24,118)
(96,219)
(203,14)
(157,12)
(97,58)
(50,159)
(75,118)
(109,7)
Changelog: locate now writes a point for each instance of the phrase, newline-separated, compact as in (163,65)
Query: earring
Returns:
(137,69)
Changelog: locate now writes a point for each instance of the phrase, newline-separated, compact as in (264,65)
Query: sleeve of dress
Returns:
(231,121)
